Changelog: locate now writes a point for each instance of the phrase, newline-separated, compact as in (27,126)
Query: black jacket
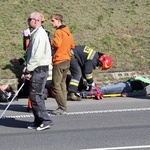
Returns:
(88,60)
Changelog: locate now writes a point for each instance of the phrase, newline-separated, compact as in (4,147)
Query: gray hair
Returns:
(37,16)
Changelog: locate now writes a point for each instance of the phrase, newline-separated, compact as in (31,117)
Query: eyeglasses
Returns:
(29,19)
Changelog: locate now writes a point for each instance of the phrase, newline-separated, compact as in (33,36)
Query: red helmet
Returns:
(106,62)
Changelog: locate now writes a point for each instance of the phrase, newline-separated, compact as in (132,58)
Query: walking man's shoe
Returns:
(43,127)
(59,111)
(73,97)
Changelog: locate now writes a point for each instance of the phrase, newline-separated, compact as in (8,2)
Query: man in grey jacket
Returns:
(38,59)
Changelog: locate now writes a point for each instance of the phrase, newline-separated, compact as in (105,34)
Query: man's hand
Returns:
(27,76)
(124,94)
(133,76)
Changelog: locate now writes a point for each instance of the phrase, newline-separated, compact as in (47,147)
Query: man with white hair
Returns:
(38,58)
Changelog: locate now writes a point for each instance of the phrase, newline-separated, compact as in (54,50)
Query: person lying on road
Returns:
(135,86)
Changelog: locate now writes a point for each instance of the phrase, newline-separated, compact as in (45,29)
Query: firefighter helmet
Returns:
(106,62)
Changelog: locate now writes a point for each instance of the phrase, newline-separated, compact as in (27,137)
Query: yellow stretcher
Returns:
(105,95)
(112,95)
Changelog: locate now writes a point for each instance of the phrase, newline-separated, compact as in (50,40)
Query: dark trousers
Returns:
(76,74)
(36,93)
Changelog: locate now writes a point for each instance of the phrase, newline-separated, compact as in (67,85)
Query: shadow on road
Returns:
(13,123)
(14,107)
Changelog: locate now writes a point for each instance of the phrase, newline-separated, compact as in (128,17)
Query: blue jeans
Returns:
(116,88)
(119,87)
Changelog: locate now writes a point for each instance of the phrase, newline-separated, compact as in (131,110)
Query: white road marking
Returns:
(118,148)
(86,112)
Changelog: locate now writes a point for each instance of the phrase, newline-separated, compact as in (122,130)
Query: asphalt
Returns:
(89,124)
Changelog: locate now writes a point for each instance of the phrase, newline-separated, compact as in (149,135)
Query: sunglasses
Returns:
(29,19)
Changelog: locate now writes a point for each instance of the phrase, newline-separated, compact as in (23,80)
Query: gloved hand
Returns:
(25,33)
(90,86)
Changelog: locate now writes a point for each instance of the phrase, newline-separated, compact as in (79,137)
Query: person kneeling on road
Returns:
(83,61)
